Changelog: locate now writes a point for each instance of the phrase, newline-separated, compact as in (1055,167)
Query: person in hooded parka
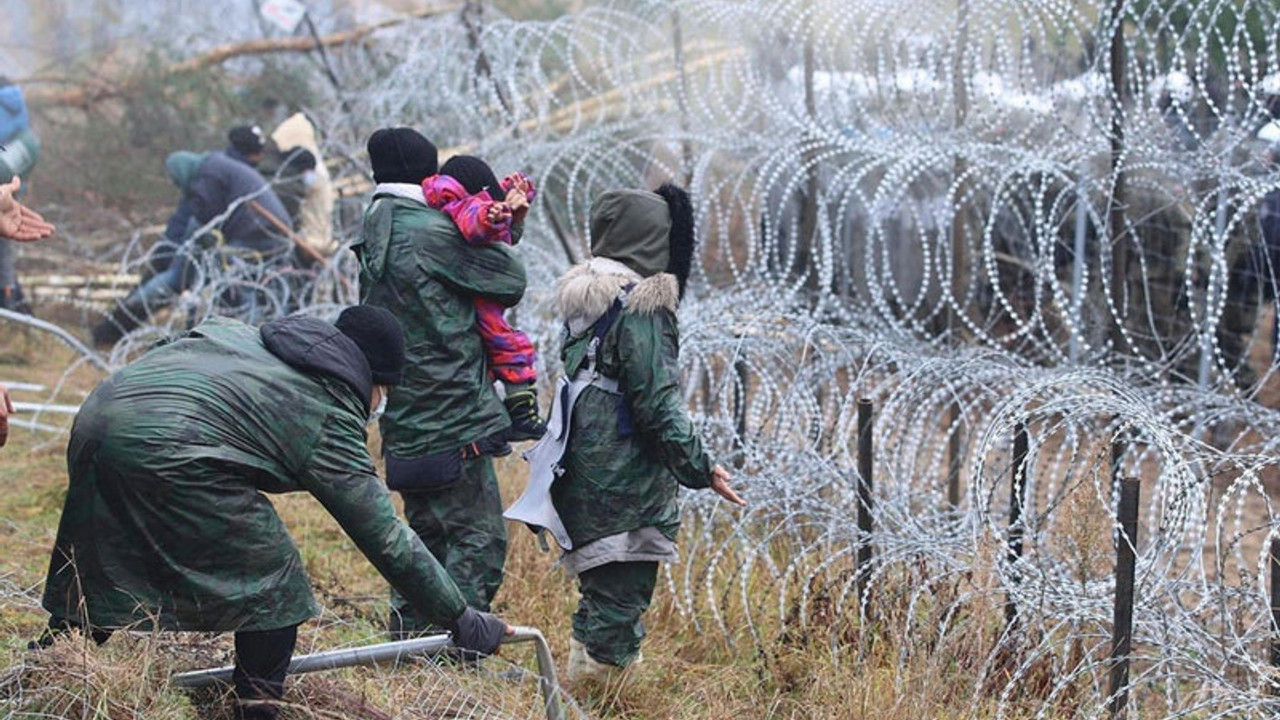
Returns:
(631,443)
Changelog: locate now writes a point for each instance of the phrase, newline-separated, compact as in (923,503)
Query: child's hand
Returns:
(720,484)
(519,204)
(499,212)
(518,181)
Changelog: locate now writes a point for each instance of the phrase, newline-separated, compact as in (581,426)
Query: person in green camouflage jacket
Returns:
(166,524)
(414,263)
(631,445)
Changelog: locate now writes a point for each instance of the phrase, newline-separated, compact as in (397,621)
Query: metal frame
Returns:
(391,653)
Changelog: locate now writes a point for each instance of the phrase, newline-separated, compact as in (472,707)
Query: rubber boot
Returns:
(584,667)
(522,406)
(125,317)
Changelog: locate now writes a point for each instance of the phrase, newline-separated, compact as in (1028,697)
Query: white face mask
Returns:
(309,178)
(377,411)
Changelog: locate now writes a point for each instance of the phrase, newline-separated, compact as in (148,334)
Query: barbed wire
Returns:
(950,208)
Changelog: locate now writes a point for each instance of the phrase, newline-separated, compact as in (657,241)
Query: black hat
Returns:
(474,174)
(379,336)
(248,139)
(401,155)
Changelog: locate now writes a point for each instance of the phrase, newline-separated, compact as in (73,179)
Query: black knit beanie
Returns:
(474,174)
(401,155)
(379,336)
(248,139)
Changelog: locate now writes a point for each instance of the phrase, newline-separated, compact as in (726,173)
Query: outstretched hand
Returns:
(18,222)
(720,479)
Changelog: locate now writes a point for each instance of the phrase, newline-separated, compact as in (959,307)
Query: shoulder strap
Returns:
(602,325)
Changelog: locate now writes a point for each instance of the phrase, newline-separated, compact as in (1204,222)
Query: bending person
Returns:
(166,523)
(212,185)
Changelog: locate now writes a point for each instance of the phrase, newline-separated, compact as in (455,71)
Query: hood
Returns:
(313,346)
(11,101)
(585,292)
(296,132)
(632,227)
(182,167)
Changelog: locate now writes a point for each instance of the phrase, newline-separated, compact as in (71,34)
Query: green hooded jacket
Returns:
(166,523)
(623,469)
(414,263)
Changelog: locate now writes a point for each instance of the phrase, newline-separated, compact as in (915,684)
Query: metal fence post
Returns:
(739,411)
(1122,617)
(1275,612)
(865,412)
(1017,497)
(955,451)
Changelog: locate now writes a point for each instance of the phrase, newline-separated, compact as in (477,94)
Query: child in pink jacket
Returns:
(487,211)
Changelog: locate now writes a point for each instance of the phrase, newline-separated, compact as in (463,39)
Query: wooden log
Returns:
(97,90)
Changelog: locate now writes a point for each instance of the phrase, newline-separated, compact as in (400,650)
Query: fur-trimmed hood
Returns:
(585,292)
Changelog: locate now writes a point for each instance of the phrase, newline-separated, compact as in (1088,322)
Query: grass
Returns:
(688,672)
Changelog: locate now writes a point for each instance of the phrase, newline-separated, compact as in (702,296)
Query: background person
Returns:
(314,219)
(19,151)
(23,225)
(212,185)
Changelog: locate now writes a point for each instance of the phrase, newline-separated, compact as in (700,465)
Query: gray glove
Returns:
(477,631)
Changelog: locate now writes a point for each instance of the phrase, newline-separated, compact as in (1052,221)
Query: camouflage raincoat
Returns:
(627,453)
(166,523)
(414,263)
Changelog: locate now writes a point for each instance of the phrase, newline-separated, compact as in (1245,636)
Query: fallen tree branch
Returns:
(85,96)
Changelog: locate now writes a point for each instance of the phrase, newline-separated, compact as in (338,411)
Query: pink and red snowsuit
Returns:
(512,358)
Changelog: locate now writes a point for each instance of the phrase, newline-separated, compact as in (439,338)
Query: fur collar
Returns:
(585,292)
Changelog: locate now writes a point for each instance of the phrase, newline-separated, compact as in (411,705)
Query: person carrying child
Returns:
(487,211)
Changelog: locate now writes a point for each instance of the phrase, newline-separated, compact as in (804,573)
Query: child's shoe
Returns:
(522,406)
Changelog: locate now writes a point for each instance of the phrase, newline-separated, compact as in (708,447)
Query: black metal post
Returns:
(1122,617)
(1275,612)
(1017,497)
(955,453)
(739,411)
(865,411)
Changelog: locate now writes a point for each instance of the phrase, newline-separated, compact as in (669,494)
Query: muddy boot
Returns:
(522,406)
(584,667)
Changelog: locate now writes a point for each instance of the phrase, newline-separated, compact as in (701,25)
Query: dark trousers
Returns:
(609,617)
(262,661)
(462,526)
